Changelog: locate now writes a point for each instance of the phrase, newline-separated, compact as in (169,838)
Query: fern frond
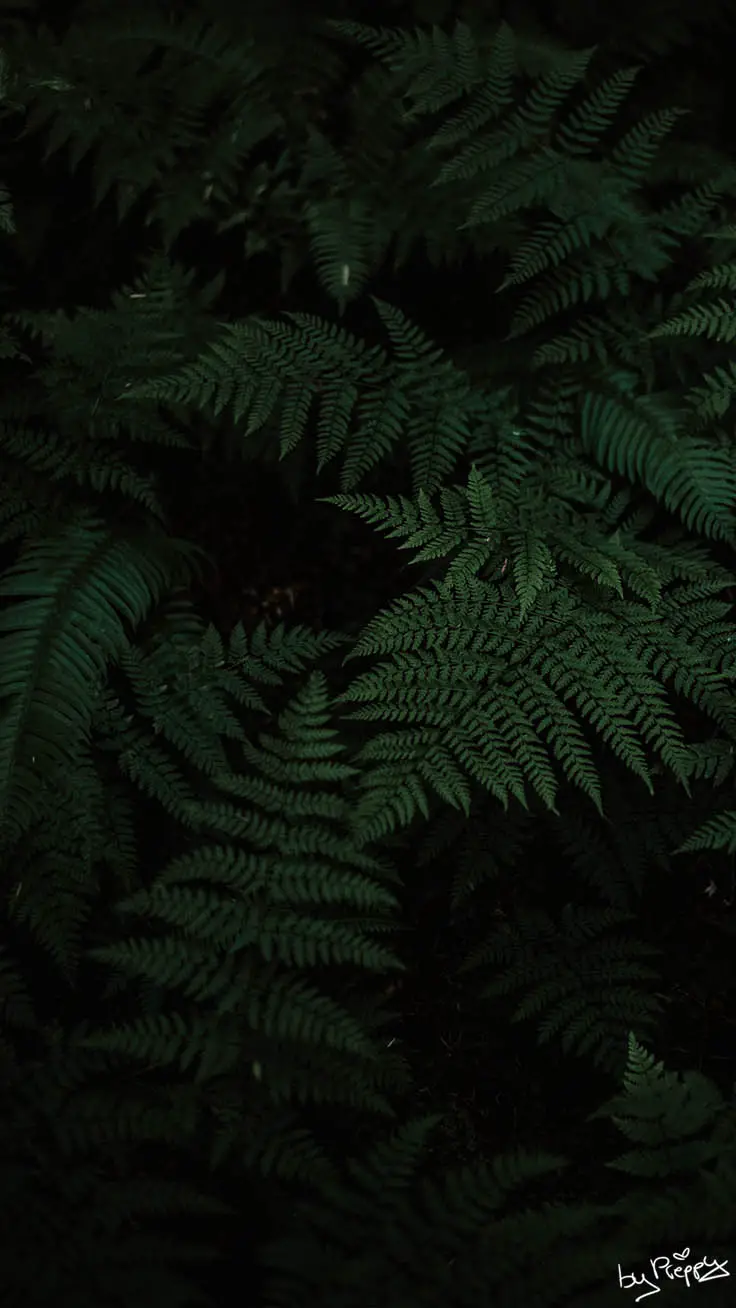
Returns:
(577,977)
(77,592)
(241,925)
(642,438)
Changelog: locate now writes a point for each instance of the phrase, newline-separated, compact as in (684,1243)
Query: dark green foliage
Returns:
(384,1235)
(230,850)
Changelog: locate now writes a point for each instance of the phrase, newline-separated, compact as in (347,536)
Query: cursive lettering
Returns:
(676,1268)
(631,1280)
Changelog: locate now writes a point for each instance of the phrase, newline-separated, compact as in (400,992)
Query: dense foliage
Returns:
(366,649)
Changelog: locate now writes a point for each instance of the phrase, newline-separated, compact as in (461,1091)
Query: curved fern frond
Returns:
(76,595)
(242,926)
(643,439)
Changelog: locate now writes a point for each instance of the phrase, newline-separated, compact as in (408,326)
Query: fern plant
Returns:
(271,893)
(387,1231)
(464,644)
(216,1025)
(201,879)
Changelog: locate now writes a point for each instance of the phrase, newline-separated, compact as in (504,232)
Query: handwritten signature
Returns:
(708,1269)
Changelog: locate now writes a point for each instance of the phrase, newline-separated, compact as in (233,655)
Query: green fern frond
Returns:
(341,236)
(156,138)
(583,128)
(425,532)
(661,1112)
(457,669)
(715,321)
(643,439)
(78,593)
(438,427)
(487,101)
(578,283)
(294,366)
(577,977)
(241,924)
(438,67)
(718,833)
(635,152)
